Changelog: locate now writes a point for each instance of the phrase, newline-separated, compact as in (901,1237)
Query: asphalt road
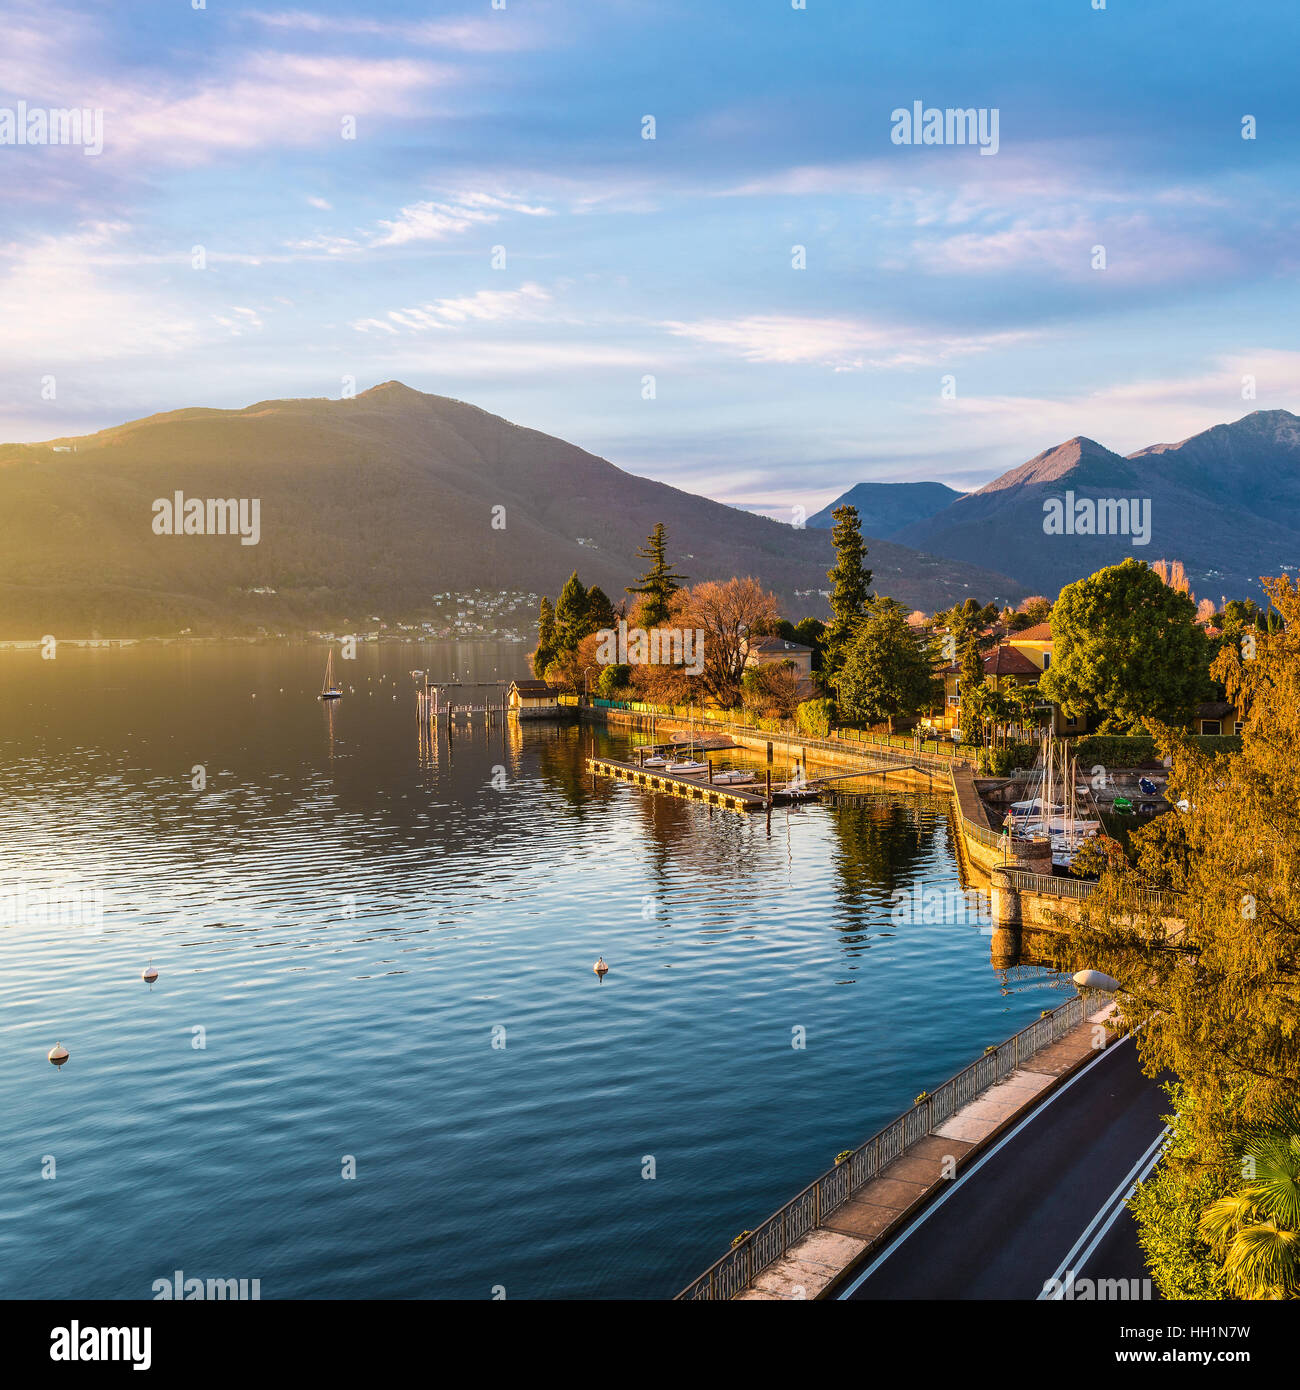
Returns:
(1045,1200)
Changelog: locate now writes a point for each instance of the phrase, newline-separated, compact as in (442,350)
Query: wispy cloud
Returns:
(501,32)
(526,304)
(841,344)
(61,307)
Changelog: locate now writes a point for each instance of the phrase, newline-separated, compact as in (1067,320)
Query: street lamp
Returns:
(586,684)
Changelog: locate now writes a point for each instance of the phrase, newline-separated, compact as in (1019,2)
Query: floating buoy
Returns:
(149,974)
(58,1054)
(600,967)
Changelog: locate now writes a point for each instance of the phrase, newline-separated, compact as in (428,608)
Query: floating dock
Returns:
(735,797)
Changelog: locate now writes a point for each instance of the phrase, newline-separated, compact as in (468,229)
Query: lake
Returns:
(377,961)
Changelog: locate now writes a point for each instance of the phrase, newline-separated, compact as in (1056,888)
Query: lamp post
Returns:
(586,683)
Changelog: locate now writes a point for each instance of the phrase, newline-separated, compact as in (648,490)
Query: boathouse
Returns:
(534,700)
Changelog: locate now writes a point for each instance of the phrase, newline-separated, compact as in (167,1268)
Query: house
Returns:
(1036,643)
(533,700)
(769,651)
(1018,660)
(1217,717)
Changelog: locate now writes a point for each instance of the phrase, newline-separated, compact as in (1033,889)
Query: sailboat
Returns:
(1053,807)
(328,690)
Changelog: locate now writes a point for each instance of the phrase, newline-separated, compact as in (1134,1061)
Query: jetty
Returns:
(733,796)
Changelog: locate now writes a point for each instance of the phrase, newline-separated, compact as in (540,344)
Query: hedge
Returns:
(1132,750)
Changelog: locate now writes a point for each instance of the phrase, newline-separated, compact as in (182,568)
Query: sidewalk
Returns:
(876,1210)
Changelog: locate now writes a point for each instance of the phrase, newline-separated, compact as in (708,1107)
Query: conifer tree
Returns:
(660,582)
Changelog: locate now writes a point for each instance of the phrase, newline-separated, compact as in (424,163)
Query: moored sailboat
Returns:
(328,690)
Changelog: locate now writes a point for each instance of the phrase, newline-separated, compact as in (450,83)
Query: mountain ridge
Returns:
(369,506)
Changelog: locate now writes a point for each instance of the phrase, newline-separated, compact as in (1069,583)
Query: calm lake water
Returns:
(351,925)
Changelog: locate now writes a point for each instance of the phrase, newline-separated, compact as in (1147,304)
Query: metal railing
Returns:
(1150,899)
(762,1246)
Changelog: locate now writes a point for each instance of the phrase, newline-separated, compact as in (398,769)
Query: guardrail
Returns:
(1154,899)
(764,1245)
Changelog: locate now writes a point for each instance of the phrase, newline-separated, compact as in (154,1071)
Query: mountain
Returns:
(1226,502)
(885,508)
(371,506)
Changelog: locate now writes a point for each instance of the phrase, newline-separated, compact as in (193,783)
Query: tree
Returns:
(887,672)
(772,689)
(1127,648)
(659,583)
(600,611)
(850,588)
(546,643)
(571,624)
(1213,970)
(613,679)
(1172,573)
(728,618)
(1255,1230)
(970,690)
(1030,613)
(811,632)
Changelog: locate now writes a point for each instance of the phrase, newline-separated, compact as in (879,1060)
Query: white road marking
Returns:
(975,1167)
(1116,1200)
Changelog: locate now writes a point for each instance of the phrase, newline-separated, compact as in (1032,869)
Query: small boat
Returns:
(656,761)
(1122,806)
(732,777)
(328,690)
(688,767)
(1146,786)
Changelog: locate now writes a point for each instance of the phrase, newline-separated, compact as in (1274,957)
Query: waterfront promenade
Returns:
(839,1224)
(1043,1208)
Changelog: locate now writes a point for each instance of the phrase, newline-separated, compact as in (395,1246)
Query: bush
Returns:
(1166,1210)
(613,679)
(814,718)
(999,762)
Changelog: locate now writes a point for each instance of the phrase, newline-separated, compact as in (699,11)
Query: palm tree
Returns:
(1255,1231)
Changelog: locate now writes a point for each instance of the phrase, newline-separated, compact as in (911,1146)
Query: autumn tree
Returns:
(728,618)
(1127,648)
(1212,969)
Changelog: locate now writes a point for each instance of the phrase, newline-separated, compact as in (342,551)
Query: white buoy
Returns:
(600,967)
(149,974)
(58,1054)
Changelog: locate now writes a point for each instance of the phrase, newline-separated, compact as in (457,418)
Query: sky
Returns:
(306,200)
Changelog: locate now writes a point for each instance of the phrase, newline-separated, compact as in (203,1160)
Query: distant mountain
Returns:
(886,508)
(1226,502)
(371,506)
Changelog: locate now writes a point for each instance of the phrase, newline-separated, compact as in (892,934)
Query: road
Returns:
(1046,1199)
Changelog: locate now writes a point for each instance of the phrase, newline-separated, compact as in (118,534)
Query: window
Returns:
(1237,728)
(1211,726)
(1047,660)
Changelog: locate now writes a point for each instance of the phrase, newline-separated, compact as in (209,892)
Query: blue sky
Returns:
(372,258)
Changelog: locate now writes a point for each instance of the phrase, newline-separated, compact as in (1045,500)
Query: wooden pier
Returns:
(734,797)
